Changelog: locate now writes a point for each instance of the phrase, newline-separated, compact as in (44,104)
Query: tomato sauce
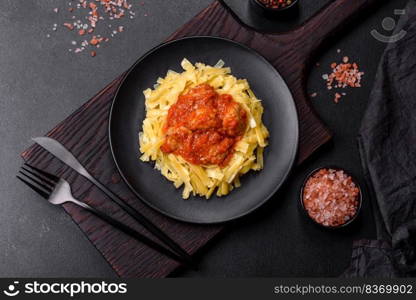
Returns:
(203,127)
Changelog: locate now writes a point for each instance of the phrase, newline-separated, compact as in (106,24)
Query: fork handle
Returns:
(135,234)
(144,221)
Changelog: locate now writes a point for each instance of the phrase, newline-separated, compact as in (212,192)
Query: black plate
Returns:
(280,117)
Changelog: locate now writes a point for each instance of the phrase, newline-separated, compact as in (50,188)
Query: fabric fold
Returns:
(387,140)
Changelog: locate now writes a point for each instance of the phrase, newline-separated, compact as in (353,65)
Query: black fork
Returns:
(58,191)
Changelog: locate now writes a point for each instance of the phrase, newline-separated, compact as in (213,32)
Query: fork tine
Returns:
(46,174)
(33,187)
(44,185)
(44,180)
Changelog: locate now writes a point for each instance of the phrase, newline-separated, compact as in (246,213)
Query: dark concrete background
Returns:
(41,83)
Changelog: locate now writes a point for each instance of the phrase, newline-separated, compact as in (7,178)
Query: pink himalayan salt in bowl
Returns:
(331,197)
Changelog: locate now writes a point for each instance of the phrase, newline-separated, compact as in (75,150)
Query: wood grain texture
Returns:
(85,134)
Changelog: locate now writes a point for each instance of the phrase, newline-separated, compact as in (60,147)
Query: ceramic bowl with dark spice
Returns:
(275,6)
(331,197)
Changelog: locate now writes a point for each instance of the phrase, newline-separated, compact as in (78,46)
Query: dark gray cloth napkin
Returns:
(387,142)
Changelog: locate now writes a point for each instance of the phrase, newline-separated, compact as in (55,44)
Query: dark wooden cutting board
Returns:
(84,133)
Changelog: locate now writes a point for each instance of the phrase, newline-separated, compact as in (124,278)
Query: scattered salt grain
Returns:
(89,14)
(344,75)
(69,26)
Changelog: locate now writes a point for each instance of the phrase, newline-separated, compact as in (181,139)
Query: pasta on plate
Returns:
(245,143)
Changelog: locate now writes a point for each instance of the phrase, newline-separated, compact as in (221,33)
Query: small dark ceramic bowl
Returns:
(360,198)
(269,10)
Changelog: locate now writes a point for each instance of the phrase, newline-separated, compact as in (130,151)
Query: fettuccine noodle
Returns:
(197,179)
